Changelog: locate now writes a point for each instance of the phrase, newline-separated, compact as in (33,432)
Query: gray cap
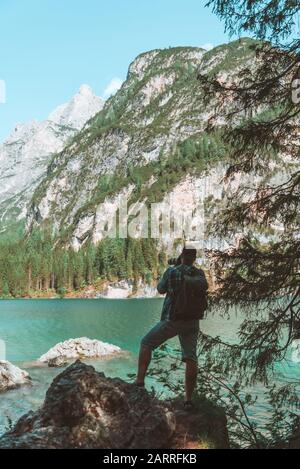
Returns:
(189,249)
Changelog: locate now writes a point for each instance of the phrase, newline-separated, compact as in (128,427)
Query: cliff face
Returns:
(84,409)
(159,107)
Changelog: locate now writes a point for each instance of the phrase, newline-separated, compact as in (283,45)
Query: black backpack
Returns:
(191,300)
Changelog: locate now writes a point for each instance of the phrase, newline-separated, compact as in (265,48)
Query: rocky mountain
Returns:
(147,144)
(150,147)
(26,153)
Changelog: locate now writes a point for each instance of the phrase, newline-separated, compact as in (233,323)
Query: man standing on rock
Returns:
(185,302)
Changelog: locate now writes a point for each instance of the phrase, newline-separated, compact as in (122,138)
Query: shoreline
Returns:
(111,290)
(83,298)
(118,290)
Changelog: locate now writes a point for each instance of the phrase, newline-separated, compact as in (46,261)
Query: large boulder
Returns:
(11,376)
(78,349)
(85,409)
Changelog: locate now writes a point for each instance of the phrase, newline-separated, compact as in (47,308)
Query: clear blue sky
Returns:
(48,48)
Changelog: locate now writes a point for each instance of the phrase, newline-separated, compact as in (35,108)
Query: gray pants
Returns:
(187,331)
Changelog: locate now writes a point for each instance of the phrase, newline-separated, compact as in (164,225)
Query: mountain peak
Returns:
(25,154)
(162,58)
(22,130)
(85,90)
(84,105)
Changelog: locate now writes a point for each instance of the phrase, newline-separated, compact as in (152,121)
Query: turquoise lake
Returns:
(30,328)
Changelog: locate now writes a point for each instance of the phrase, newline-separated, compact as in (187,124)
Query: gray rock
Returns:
(85,409)
(12,377)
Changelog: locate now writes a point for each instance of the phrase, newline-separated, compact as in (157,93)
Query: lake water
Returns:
(30,328)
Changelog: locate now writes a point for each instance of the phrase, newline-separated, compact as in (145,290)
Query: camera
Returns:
(175,260)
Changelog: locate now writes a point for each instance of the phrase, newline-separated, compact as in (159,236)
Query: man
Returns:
(184,305)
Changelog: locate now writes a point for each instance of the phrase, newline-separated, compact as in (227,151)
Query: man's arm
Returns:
(163,284)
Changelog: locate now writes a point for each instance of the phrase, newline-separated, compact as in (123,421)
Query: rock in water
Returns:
(84,409)
(11,376)
(78,348)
